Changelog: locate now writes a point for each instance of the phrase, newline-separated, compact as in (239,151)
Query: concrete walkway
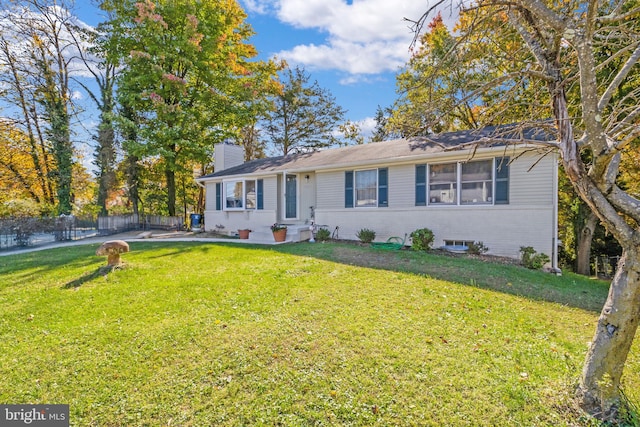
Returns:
(138,236)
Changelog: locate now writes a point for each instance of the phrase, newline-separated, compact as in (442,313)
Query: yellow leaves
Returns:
(18,174)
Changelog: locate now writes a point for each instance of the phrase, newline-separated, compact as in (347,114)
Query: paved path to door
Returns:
(132,237)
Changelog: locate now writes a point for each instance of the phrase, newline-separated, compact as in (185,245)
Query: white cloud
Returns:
(362,38)
(367,127)
(352,57)
(260,6)
(18,25)
(363,21)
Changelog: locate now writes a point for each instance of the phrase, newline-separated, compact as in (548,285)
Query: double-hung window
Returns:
(366,188)
(443,184)
(476,182)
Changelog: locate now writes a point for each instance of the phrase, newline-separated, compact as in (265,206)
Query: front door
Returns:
(291,197)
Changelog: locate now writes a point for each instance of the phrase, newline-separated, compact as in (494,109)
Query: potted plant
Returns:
(244,233)
(279,232)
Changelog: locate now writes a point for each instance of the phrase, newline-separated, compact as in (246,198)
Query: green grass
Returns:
(193,334)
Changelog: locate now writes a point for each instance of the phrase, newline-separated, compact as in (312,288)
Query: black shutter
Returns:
(502,180)
(348,189)
(383,188)
(260,194)
(218,196)
(421,185)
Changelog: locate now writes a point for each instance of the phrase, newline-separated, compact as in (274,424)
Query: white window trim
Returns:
(355,188)
(244,195)
(459,184)
(493,184)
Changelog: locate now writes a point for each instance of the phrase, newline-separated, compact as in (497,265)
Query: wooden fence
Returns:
(119,223)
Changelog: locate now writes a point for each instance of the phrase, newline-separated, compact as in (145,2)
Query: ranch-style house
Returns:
(467,186)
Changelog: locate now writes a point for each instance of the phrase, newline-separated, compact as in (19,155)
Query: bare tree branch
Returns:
(619,78)
(614,17)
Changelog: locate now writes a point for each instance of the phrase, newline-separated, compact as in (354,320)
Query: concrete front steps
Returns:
(295,233)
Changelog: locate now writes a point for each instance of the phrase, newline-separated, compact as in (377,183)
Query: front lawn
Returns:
(199,334)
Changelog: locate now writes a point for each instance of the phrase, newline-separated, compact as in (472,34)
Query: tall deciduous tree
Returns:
(189,75)
(38,75)
(433,89)
(101,62)
(565,45)
(304,117)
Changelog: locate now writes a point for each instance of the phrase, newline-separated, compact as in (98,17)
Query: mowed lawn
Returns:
(199,334)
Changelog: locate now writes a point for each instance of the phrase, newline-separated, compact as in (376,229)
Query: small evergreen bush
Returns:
(365,235)
(322,235)
(478,248)
(422,239)
(532,259)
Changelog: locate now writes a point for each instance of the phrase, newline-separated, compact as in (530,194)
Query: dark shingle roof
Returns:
(396,150)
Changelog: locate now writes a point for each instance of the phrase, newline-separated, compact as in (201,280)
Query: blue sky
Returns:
(353,48)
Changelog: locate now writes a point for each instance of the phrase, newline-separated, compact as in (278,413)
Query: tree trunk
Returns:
(583,250)
(617,325)
(133,182)
(105,160)
(106,150)
(598,392)
(170,176)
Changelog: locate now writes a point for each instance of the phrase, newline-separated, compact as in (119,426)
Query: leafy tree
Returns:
(351,133)
(252,142)
(188,77)
(381,132)
(433,89)
(563,46)
(18,175)
(304,116)
(38,78)
(98,56)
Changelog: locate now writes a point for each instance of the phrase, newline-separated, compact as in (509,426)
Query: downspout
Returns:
(204,198)
(283,205)
(554,237)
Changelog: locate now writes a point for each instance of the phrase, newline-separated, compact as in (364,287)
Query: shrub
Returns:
(478,248)
(532,259)
(422,239)
(322,235)
(365,235)
(278,227)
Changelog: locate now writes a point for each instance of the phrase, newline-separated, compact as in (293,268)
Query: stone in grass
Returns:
(112,249)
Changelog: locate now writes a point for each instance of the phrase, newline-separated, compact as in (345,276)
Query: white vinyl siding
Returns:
(210,200)
(401,185)
(269,197)
(531,186)
(330,190)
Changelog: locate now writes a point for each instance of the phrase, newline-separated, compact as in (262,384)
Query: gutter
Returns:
(554,219)
(506,150)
